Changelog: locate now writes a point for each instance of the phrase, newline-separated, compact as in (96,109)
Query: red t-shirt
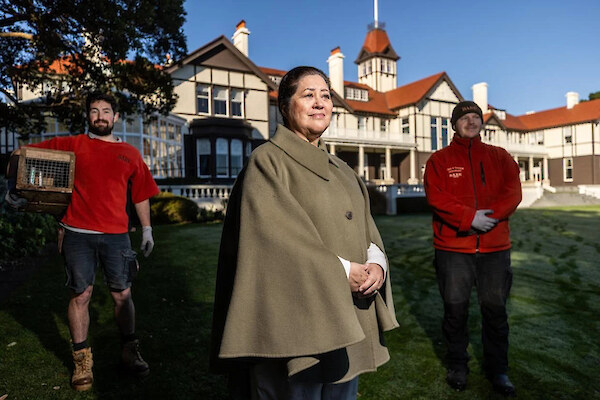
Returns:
(102,173)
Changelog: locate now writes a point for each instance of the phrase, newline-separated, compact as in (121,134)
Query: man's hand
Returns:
(147,241)
(13,200)
(482,222)
(357,276)
(373,282)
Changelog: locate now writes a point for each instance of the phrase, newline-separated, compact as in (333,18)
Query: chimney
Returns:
(480,96)
(336,70)
(240,37)
(572,99)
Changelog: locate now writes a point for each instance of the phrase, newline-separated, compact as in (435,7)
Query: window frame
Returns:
(568,167)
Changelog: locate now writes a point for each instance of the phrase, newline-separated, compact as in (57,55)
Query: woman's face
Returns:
(310,108)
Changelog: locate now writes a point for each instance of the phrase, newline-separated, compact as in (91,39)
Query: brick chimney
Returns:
(336,70)
(240,37)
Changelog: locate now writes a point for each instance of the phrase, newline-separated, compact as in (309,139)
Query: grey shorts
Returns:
(84,251)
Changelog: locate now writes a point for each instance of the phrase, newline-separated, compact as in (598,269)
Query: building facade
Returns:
(227,106)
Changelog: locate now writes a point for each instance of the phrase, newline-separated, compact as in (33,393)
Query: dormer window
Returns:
(357,94)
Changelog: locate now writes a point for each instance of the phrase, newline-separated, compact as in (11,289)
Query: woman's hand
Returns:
(357,276)
(373,282)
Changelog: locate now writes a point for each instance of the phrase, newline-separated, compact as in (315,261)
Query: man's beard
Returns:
(103,130)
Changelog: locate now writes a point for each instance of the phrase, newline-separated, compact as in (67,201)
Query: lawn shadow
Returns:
(41,307)
(413,276)
(173,297)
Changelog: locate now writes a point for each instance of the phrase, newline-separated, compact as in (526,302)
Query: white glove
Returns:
(147,241)
(15,201)
(482,222)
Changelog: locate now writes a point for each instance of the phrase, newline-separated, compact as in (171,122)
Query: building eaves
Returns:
(416,91)
(215,46)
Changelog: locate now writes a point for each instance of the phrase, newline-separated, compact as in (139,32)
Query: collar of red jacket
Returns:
(461,141)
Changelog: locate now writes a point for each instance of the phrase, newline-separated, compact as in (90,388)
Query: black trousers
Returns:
(491,273)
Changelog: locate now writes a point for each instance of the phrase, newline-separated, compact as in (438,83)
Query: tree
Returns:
(595,95)
(82,45)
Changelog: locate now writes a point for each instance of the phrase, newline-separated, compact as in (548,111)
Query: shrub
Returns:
(23,233)
(167,208)
(210,215)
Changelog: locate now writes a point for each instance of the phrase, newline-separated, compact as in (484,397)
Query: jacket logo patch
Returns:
(124,158)
(455,172)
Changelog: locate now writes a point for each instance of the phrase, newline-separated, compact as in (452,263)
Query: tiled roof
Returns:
(376,41)
(413,92)
(272,71)
(582,112)
(377,102)
(512,122)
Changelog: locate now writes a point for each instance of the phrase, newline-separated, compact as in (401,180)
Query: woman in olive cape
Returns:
(283,302)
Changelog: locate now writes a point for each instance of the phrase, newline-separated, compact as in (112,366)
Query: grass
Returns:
(553,314)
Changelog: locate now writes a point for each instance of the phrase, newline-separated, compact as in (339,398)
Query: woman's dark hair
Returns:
(289,84)
(98,96)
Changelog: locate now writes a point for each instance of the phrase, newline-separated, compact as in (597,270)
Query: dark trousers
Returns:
(492,275)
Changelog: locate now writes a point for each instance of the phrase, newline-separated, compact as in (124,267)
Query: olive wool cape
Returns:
(282,292)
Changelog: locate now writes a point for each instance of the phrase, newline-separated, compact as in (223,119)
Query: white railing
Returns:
(367,136)
(212,197)
(519,148)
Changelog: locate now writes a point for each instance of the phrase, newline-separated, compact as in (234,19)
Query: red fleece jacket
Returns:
(466,176)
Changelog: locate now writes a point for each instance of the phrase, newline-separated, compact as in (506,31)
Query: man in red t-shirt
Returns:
(473,188)
(96,230)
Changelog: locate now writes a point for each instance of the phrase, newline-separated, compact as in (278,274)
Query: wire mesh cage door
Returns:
(45,178)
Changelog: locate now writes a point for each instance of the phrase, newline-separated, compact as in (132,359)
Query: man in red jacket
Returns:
(473,188)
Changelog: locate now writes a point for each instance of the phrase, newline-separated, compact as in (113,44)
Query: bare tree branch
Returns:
(20,35)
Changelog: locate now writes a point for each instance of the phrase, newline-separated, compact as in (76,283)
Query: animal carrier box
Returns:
(45,179)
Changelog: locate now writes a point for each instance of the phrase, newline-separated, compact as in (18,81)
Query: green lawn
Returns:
(554,313)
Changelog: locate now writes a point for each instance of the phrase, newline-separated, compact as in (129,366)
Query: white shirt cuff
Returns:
(346,265)
(376,256)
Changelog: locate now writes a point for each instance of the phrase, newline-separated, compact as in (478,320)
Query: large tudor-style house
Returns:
(227,105)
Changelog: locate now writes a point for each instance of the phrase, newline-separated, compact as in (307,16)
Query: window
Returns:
(384,125)
(203,154)
(568,169)
(444,132)
(363,69)
(248,149)
(163,130)
(222,158)
(357,94)
(540,138)
(405,125)
(369,67)
(202,94)
(434,145)
(568,134)
(220,100)
(171,132)
(362,124)
(236,157)
(237,97)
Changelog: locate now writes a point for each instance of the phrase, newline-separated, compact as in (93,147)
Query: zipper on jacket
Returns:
(474,189)
(482,173)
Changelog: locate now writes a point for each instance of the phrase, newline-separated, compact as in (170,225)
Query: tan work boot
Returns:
(83,377)
(132,359)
